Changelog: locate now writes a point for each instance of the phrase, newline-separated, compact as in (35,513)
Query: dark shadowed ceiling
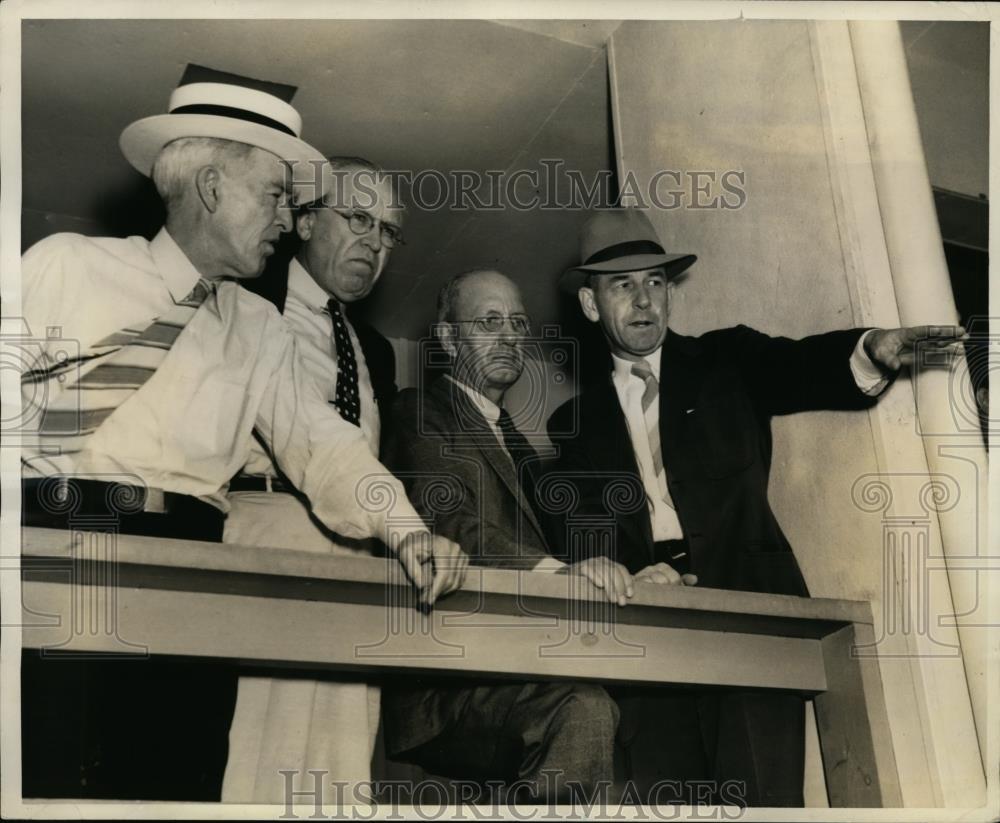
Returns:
(410,95)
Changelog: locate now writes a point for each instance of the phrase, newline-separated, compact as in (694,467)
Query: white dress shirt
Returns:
(307,316)
(234,368)
(630,388)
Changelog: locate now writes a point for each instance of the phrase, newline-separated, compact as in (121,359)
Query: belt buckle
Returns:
(60,488)
(156,501)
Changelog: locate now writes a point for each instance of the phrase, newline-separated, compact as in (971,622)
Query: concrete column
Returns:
(944,402)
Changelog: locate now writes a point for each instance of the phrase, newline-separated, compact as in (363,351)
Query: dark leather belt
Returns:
(60,502)
(60,493)
(257,483)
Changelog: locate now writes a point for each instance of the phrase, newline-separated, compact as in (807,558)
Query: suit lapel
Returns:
(471,423)
(611,440)
(679,379)
(681,376)
(379,360)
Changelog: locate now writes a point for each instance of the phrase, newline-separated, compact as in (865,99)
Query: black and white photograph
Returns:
(497,411)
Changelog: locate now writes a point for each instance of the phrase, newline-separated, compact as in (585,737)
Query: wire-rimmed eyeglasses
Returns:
(495,323)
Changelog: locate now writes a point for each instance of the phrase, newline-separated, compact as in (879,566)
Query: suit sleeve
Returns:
(446,488)
(784,376)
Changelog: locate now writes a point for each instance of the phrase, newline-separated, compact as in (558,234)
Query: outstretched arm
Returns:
(891,349)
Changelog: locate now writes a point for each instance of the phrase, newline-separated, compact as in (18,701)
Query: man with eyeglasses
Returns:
(156,373)
(472,473)
(345,242)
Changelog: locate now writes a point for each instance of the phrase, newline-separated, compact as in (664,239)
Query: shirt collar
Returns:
(623,366)
(486,407)
(305,289)
(177,270)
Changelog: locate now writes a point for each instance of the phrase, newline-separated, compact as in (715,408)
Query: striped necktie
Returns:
(103,377)
(346,400)
(651,414)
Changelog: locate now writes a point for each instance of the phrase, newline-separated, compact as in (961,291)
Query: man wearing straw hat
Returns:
(701,447)
(176,370)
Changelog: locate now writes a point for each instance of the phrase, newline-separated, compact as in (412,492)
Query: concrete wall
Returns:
(949,66)
(779,264)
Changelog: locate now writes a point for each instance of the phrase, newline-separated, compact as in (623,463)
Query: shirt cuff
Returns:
(548,564)
(392,516)
(870,379)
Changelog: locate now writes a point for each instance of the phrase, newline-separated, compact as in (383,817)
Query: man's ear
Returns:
(304,225)
(588,303)
(208,184)
(445,333)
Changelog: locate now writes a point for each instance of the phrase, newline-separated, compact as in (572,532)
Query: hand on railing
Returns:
(606,574)
(665,575)
(435,565)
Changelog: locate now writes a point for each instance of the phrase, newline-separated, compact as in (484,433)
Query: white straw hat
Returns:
(210,103)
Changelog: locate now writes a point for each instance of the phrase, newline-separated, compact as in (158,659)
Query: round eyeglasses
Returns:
(494,324)
(361,222)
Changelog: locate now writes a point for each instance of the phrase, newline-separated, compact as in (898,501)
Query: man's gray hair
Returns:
(448,295)
(178,161)
(371,173)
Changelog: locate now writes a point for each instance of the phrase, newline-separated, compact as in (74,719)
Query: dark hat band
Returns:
(236,114)
(626,249)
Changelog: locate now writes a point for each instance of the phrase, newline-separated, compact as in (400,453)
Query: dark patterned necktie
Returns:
(521,453)
(346,401)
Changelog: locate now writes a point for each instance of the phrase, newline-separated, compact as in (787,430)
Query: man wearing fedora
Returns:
(176,370)
(689,417)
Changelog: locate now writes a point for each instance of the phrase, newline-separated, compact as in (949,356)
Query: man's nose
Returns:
(284,215)
(508,335)
(641,297)
(373,238)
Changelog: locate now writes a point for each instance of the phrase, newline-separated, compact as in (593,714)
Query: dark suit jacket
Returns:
(718,393)
(464,486)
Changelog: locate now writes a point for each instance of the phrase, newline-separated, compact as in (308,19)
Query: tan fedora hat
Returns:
(614,241)
(211,103)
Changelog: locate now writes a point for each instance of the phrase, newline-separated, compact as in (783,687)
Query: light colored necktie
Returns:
(125,361)
(651,415)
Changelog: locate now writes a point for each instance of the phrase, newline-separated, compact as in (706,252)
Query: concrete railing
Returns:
(109,594)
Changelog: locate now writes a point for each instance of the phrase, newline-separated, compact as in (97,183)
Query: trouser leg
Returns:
(757,746)
(566,739)
(660,748)
(126,727)
(543,739)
